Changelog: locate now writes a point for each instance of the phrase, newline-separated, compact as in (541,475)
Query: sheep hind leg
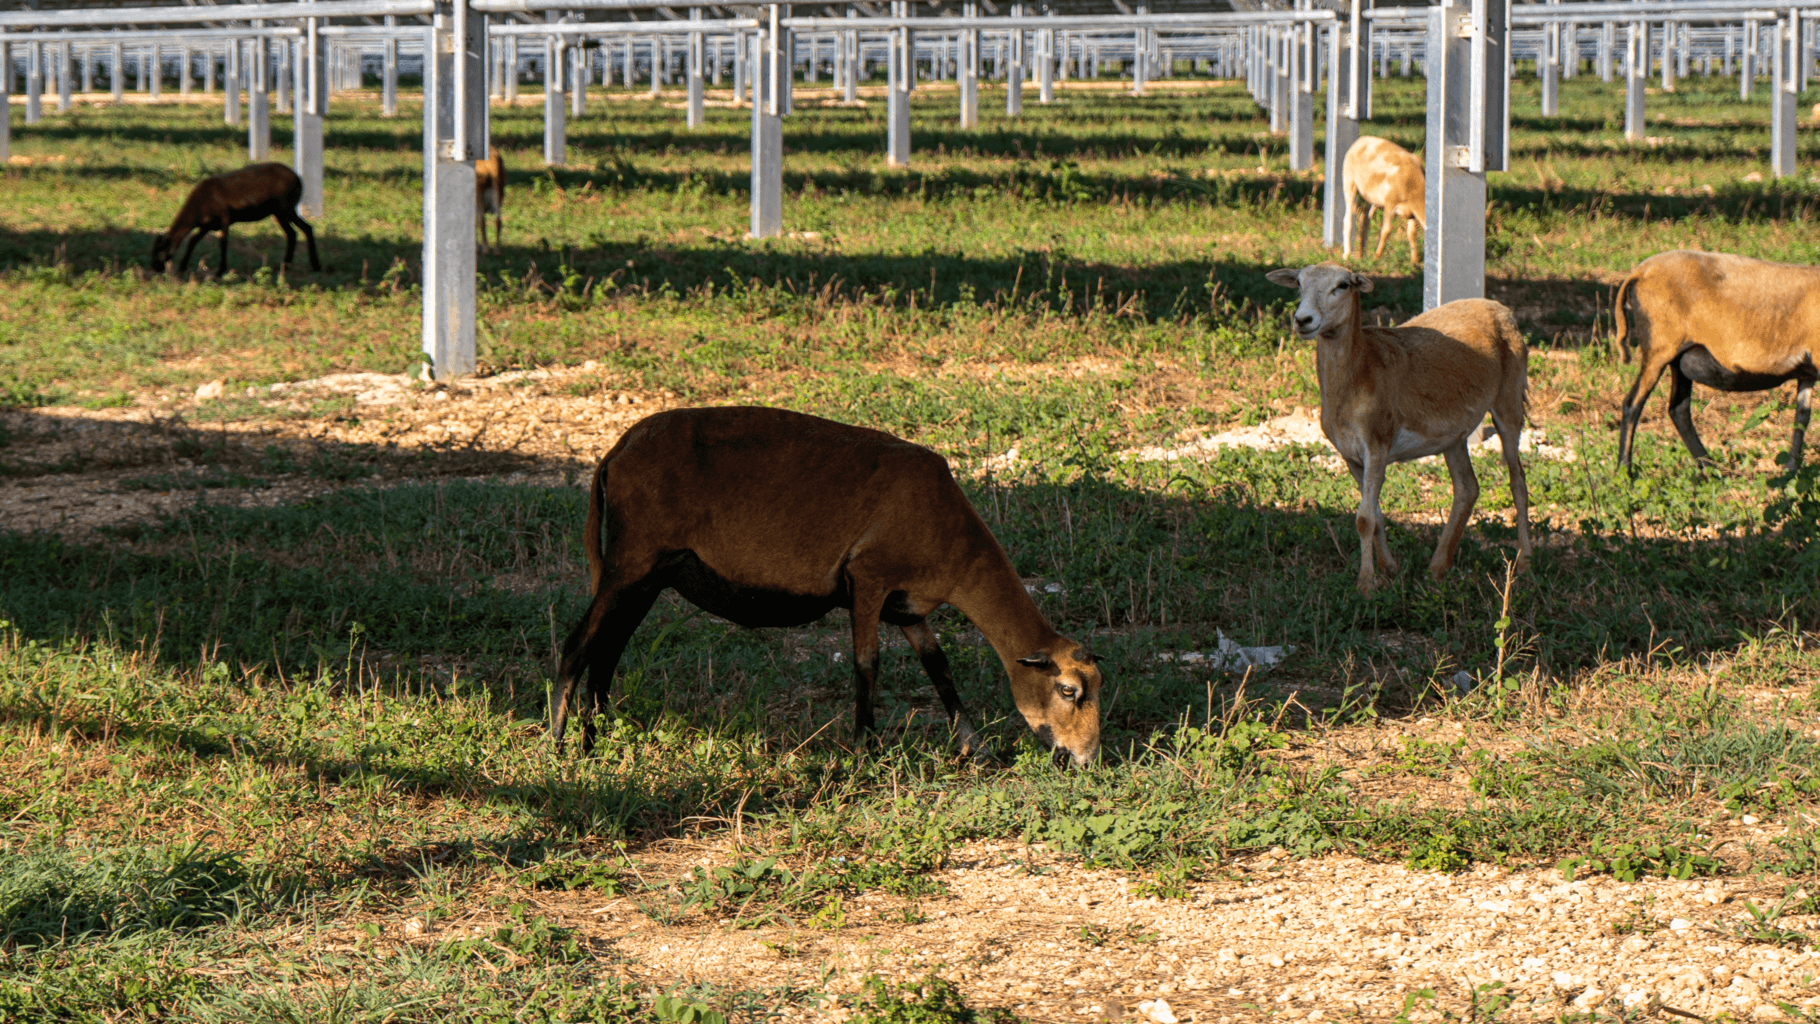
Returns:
(1510,429)
(1804,394)
(594,647)
(935,663)
(309,237)
(1390,222)
(1632,412)
(222,267)
(1681,412)
(1465,497)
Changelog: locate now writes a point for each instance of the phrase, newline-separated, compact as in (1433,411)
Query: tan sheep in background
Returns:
(1729,322)
(1390,178)
(1393,394)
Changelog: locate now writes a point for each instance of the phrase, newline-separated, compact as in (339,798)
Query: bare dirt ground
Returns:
(1019,927)
(1322,939)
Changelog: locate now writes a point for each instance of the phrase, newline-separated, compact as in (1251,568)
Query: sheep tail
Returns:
(591,533)
(1618,317)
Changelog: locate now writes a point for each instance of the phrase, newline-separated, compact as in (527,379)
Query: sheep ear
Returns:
(1288,277)
(1040,659)
(1362,283)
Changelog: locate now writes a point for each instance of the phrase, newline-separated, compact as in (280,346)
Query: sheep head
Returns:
(1330,298)
(1058,692)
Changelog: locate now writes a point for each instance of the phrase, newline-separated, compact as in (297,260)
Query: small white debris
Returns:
(1158,1011)
(839,657)
(1463,681)
(1056,588)
(1230,657)
(1754,176)
(414,927)
(1680,924)
(1750,819)
(210,391)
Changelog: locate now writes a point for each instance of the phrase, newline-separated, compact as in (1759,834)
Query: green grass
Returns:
(238,744)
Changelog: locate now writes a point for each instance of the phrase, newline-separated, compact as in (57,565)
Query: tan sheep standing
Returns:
(1393,394)
(1389,177)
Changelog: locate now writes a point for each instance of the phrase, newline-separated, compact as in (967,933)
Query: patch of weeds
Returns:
(55,896)
(210,478)
(1231,749)
(1444,853)
(753,893)
(1800,854)
(1494,778)
(889,876)
(572,875)
(934,1000)
(1425,758)
(1762,927)
(681,1009)
(117,400)
(533,938)
(1752,794)
(1172,881)
(1636,921)
(1628,861)
(328,466)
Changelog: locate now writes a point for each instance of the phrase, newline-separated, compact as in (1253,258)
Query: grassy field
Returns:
(259,760)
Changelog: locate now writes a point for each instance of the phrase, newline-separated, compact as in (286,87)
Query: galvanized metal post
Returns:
(230,81)
(1570,53)
(1279,79)
(88,69)
(1467,65)
(454,136)
(1348,83)
(767,131)
(578,78)
(1636,75)
(157,63)
(1668,56)
(283,75)
(1747,59)
(660,72)
(1783,71)
(1301,98)
(306,124)
(697,87)
(116,72)
(970,69)
(899,78)
(258,103)
(186,66)
(388,72)
(65,77)
(555,125)
(851,42)
(6,99)
(1045,65)
(1548,67)
(34,82)
(742,43)
(1608,44)
(1014,75)
(1139,71)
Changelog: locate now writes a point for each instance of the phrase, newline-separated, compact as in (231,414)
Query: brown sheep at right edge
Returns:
(1729,322)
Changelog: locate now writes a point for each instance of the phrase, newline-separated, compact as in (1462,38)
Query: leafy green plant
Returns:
(1629,861)
(934,1000)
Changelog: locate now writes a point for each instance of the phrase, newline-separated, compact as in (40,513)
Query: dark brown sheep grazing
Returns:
(773,518)
(252,193)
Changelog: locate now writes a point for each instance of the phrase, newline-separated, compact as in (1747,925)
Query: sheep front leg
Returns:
(1804,393)
(1681,411)
(1373,548)
(868,604)
(1465,496)
(935,662)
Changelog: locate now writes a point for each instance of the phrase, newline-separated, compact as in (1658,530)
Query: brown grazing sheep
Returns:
(772,518)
